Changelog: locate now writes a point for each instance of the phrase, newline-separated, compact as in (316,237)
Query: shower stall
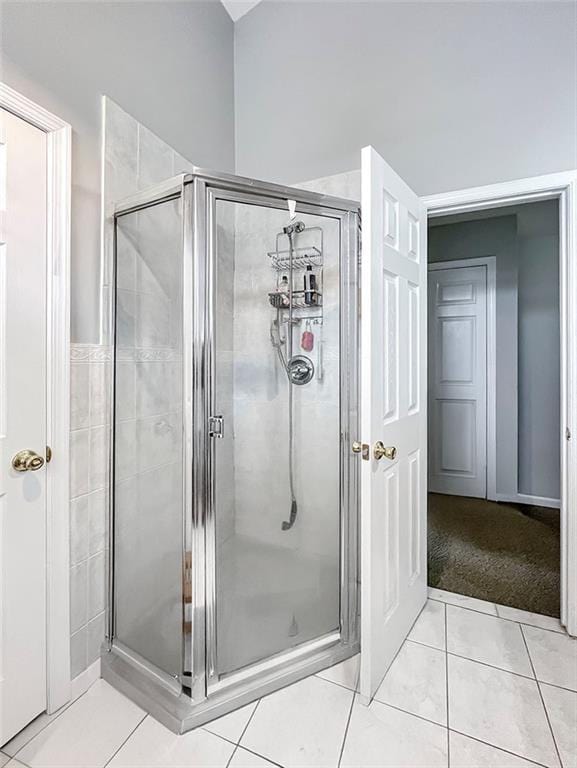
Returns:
(234,492)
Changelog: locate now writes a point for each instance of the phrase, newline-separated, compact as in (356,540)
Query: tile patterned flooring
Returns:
(474,685)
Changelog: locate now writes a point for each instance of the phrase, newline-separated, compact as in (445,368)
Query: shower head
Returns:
(296,227)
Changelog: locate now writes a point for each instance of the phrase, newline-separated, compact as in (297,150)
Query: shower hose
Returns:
(287,524)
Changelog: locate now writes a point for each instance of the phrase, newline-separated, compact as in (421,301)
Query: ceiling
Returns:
(237,8)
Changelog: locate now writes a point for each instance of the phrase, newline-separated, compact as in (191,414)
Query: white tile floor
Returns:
(475,685)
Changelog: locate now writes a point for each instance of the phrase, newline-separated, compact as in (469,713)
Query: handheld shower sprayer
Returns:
(292,229)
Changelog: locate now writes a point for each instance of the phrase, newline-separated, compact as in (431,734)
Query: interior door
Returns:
(22,424)
(458,381)
(393,416)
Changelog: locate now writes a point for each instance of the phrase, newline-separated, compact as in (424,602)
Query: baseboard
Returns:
(82,683)
(525,498)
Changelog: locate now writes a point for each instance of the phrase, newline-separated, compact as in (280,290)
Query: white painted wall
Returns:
(452,94)
(170,64)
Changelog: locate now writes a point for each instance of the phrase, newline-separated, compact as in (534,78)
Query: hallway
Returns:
(502,553)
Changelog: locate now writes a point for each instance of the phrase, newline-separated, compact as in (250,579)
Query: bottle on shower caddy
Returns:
(310,281)
(284,291)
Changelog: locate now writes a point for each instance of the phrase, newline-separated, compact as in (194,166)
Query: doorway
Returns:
(34,411)
(494,405)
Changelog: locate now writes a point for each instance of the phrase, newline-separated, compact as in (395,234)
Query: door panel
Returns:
(22,423)
(458,381)
(393,493)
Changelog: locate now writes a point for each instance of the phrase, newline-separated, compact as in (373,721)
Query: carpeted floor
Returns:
(504,553)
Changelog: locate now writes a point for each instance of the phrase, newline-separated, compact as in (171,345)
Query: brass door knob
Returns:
(27,461)
(388,451)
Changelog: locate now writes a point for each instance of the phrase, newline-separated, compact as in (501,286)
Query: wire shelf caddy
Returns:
(302,258)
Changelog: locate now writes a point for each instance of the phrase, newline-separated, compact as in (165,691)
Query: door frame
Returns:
(58,142)
(490,262)
(562,187)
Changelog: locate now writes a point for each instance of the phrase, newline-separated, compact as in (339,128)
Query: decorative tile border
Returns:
(148,355)
(97,353)
(87,353)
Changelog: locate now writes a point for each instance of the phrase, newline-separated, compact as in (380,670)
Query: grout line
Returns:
(126,739)
(447,689)
(461,733)
(561,631)
(340,685)
(412,714)
(502,749)
(342,749)
(244,730)
(492,666)
(263,757)
(53,720)
(237,744)
(432,647)
(556,685)
(212,733)
(233,753)
(542,699)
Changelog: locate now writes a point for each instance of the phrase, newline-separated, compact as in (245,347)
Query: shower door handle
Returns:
(216,426)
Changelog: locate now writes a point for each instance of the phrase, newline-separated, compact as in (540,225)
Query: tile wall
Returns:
(89,420)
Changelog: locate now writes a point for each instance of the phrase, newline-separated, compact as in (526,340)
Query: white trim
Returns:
(491,263)
(58,390)
(84,680)
(563,187)
(525,498)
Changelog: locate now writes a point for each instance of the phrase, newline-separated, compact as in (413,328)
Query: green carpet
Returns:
(504,553)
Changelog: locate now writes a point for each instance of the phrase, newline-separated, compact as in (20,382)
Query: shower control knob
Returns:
(388,451)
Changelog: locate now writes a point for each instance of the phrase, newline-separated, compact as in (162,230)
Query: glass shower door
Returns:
(276,452)
(148,437)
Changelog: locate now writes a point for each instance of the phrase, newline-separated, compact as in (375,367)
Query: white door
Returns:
(458,381)
(22,423)
(393,416)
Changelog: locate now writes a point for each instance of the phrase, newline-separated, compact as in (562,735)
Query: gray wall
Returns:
(452,94)
(170,64)
(539,351)
(493,237)
(525,241)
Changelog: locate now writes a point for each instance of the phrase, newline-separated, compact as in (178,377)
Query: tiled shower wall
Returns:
(134,158)
(262,497)
(89,379)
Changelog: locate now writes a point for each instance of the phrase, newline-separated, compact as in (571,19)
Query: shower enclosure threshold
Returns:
(179,713)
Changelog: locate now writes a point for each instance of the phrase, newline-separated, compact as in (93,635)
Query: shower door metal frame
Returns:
(208,191)
(194,698)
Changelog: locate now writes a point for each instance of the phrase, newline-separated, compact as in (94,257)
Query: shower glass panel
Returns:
(148,434)
(276,479)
